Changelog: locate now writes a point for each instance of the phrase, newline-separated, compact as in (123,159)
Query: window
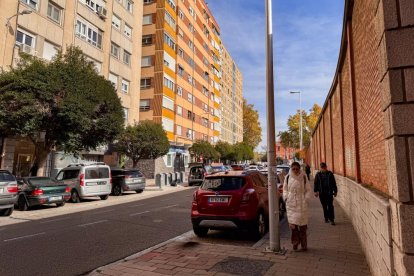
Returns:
(146,61)
(31,3)
(49,50)
(129,5)
(147,2)
(127,58)
(190,134)
(190,44)
(169,19)
(127,31)
(190,9)
(54,12)
(178,130)
(191,62)
(145,83)
(205,91)
(191,27)
(147,19)
(189,115)
(169,61)
(125,86)
(167,103)
(115,50)
(125,113)
(205,107)
(146,40)
(181,15)
(144,105)
(179,110)
(179,91)
(113,79)
(170,42)
(169,160)
(171,3)
(190,97)
(181,52)
(89,32)
(25,38)
(169,83)
(180,33)
(116,22)
(180,70)
(205,122)
(168,124)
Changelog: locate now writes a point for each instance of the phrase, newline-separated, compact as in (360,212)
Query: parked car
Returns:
(283,168)
(85,180)
(8,193)
(279,183)
(41,190)
(237,167)
(196,175)
(127,180)
(235,199)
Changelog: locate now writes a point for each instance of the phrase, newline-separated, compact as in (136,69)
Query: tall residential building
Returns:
(181,73)
(231,101)
(108,31)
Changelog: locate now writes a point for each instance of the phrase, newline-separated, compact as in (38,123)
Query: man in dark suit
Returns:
(325,188)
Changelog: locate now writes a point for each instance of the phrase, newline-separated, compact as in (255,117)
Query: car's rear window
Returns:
(6,176)
(96,173)
(43,181)
(134,173)
(223,183)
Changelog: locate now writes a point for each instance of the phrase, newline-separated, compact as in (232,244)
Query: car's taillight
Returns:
(127,176)
(195,196)
(37,192)
(12,188)
(247,195)
(205,174)
(110,177)
(67,190)
(82,180)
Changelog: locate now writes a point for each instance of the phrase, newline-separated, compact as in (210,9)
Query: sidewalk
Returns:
(332,250)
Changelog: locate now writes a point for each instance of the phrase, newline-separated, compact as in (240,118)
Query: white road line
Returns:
(92,223)
(53,220)
(23,237)
(166,207)
(102,212)
(166,199)
(140,213)
(137,205)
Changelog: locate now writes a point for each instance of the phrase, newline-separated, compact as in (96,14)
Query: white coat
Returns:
(294,194)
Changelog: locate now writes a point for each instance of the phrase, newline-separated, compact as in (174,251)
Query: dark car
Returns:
(231,199)
(35,191)
(127,180)
(8,193)
(196,175)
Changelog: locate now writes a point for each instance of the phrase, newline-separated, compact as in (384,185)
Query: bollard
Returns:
(177,176)
(158,180)
(163,178)
(169,177)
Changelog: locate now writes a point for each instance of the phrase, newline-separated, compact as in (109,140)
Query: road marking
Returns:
(23,237)
(166,207)
(140,213)
(102,212)
(92,223)
(137,205)
(166,199)
(53,220)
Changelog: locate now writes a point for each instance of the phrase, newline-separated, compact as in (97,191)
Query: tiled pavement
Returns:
(333,250)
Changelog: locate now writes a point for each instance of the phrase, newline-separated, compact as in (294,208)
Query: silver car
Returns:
(8,193)
(85,180)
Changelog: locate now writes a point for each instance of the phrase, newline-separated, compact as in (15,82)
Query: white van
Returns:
(85,180)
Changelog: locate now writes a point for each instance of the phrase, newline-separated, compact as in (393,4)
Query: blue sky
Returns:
(306,43)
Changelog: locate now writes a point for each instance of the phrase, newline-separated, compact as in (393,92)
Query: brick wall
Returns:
(366,131)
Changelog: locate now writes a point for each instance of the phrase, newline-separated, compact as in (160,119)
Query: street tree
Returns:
(145,140)
(291,137)
(252,131)
(63,104)
(203,150)
(225,150)
(243,152)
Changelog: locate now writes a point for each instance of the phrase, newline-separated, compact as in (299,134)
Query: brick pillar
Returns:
(397,51)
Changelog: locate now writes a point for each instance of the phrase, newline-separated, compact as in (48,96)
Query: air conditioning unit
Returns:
(102,12)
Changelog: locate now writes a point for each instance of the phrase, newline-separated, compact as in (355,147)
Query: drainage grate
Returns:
(242,266)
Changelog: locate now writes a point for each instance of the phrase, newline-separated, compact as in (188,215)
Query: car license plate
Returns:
(55,198)
(1,190)
(220,199)
(102,183)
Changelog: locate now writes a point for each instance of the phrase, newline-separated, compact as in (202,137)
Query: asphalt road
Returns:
(77,243)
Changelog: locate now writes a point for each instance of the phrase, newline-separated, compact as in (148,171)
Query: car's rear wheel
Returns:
(139,191)
(104,197)
(281,209)
(117,190)
(259,227)
(60,204)
(22,203)
(200,231)
(6,212)
(74,197)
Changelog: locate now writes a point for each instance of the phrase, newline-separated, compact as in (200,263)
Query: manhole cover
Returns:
(242,266)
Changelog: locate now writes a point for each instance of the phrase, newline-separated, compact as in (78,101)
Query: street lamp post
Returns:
(300,119)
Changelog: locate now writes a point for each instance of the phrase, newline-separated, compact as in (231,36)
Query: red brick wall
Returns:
(337,131)
(327,135)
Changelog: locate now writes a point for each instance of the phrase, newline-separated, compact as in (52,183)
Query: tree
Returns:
(243,151)
(63,104)
(252,131)
(203,150)
(291,137)
(145,140)
(225,150)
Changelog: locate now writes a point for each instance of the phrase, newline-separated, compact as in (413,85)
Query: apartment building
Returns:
(108,31)
(181,82)
(231,100)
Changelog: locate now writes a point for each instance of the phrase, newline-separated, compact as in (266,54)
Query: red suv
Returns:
(231,199)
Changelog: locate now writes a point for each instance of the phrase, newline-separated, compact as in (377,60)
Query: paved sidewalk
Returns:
(333,250)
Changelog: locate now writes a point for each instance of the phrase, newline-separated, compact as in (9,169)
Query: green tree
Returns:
(64,101)
(243,152)
(145,140)
(225,150)
(291,137)
(203,149)
(252,131)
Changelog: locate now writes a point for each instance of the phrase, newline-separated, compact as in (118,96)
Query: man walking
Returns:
(325,188)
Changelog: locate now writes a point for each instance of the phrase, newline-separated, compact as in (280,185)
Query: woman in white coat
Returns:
(295,190)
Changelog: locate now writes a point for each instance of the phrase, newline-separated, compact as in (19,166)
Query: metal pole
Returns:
(301,125)
(274,238)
